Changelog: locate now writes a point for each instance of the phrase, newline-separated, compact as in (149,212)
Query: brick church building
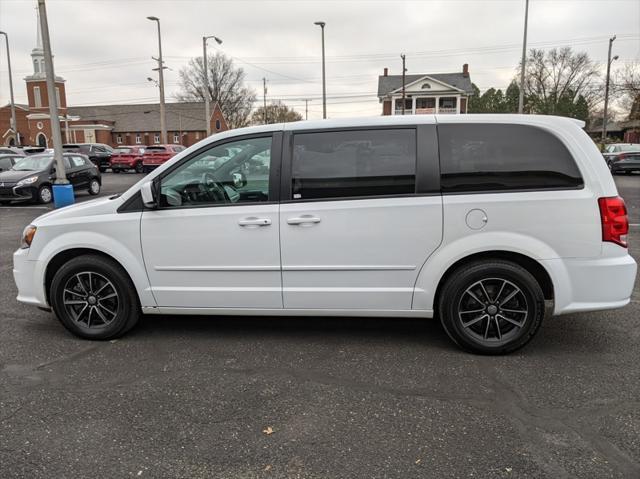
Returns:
(109,124)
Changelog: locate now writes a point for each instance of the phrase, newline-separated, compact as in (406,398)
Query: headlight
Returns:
(27,236)
(27,181)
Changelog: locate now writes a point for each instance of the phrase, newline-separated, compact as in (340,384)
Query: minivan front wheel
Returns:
(491,307)
(94,298)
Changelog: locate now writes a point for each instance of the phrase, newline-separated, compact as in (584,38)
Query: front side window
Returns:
(494,157)
(353,163)
(232,173)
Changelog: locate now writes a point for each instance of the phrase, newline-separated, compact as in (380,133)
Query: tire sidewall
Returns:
(465,278)
(42,200)
(91,192)
(127,304)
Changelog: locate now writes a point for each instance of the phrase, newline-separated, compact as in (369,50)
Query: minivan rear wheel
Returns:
(94,298)
(491,307)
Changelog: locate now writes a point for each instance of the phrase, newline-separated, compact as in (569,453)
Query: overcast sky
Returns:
(103,48)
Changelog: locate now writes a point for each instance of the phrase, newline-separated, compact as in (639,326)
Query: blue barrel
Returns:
(63,195)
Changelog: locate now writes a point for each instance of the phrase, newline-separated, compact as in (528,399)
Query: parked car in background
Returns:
(156,155)
(487,222)
(624,162)
(98,153)
(7,161)
(11,150)
(126,158)
(31,177)
(611,152)
(34,150)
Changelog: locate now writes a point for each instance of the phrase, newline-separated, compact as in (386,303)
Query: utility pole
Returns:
(264,99)
(14,125)
(523,63)
(61,177)
(205,85)
(161,67)
(404,71)
(324,79)
(606,91)
(306,109)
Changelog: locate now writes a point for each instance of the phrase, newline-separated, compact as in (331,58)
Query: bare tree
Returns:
(276,112)
(627,89)
(226,87)
(558,77)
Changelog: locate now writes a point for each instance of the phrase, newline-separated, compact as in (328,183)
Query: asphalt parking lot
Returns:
(314,397)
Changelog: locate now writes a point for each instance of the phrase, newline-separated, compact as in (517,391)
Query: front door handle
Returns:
(254,222)
(304,219)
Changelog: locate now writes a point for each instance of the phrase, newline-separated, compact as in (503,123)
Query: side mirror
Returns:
(146,191)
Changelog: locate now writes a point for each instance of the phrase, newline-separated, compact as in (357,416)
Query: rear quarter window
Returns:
(500,157)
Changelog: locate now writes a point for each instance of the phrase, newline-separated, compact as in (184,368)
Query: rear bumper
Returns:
(625,166)
(592,284)
(29,278)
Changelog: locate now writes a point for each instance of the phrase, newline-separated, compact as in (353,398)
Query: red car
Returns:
(127,158)
(156,155)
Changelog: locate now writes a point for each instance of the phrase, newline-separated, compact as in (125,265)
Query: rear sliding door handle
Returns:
(254,222)
(304,219)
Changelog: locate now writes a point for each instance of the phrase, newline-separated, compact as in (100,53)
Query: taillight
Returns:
(615,223)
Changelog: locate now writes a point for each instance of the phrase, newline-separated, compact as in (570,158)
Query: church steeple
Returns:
(37,54)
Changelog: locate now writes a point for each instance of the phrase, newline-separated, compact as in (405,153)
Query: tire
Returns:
(5,203)
(500,330)
(98,314)
(139,168)
(94,187)
(45,195)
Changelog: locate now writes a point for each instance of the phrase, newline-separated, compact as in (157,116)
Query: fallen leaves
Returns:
(268,430)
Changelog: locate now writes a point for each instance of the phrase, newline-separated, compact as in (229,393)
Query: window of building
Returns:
(119,139)
(58,97)
(233,173)
(448,102)
(37,99)
(353,163)
(408,104)
(197,135)
(218,124)
(425,102)
(176,138)
(490,157)
(36,66)
(156,138)
(138,139)
(426,86)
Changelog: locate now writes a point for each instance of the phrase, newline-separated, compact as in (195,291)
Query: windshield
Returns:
(33,163)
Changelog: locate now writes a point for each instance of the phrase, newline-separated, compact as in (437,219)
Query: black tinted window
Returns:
(353,163)
(486,157)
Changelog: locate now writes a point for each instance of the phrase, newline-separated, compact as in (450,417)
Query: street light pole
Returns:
(606,91)
(205,86)
(161,67)
(61,177)
(524,59)
(324,82)
(14,125)
(404,71)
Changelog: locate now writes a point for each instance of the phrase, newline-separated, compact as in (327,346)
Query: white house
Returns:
(436,93)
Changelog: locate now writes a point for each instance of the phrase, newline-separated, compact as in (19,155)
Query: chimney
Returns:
(386,71)
(465,70)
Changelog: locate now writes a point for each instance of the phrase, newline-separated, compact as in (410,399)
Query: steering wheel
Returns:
(213,188)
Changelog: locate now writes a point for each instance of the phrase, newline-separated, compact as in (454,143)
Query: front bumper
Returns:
(29,278)
(15,193)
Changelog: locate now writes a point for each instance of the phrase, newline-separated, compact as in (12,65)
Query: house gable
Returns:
(427,85)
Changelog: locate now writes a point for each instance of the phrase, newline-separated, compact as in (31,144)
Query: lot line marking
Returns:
(24,208)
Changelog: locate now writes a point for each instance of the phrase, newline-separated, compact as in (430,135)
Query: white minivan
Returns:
(488,222)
